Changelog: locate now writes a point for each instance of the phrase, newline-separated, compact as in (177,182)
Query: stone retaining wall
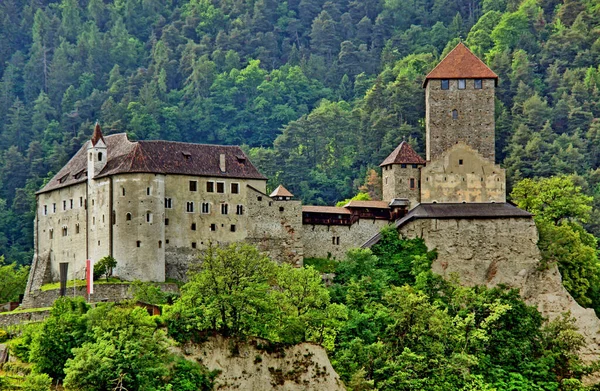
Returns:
(13,318)
(102,292)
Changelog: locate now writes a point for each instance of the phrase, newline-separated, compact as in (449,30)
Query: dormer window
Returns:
(186,155)
(462,84)
(445,84)
(99,156)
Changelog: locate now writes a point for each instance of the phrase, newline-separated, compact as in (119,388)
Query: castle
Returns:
(153,205)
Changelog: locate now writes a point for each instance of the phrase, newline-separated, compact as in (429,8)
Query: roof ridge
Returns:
(186,143)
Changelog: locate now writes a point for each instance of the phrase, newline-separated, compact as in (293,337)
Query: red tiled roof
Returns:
(97,136)
(403,154)
(461,63)
(281,192)
(159,157)
(325,209)
(368,204)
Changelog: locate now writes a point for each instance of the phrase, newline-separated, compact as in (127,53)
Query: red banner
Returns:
(89,276)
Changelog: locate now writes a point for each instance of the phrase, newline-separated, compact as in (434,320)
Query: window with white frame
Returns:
(168,203)
(221,187)
(239,210)
(235,188)
(224,209)
(189,207)
(206,207)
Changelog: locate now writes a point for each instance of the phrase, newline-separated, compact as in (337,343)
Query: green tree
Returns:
(63,331)
(13,280)
(126,350)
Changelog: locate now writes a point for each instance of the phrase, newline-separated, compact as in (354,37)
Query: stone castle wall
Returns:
(334,241)
(504,251)
(276,227)
(396,183)
(462,175)
(474,124)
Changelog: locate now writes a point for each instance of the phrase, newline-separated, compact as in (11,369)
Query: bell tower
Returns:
(459,104)
(96,153)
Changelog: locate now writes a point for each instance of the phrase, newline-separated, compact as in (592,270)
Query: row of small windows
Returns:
(218,187)
(99,156)
(64,231)
(462,84)
(205,208)
(66,204)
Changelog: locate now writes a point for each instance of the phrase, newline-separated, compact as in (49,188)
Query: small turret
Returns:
(281,194)
(97,153)
(401,172)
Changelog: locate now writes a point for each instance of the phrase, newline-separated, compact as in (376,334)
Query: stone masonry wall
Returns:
(102,292)
(503,251)
(396,183)
(462,175)
(321,241)
(474,124)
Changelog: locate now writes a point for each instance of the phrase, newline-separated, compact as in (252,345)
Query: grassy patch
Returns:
(25,310)
(323,265)
(74,283)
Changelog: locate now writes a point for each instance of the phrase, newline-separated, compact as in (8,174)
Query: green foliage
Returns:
(323,265)
(3,335)
(104,267)
(147,292)
(125,350)
(187,375)
(435,334)
(20,347)
(359,197)
(63,331)
(560,207)
(37,382)
(13,280)
(239,292)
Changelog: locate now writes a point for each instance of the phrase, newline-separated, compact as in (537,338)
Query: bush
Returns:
(190,376)
(37,382)
(3,335)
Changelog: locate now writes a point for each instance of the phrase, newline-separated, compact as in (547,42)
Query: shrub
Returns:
(37,382)
(3,335)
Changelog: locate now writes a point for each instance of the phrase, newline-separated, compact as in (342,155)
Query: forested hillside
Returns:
(318,91)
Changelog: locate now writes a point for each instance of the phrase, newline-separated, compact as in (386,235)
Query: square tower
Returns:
(459,104)
(401,173)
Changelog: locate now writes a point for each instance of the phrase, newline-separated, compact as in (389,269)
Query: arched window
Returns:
(160,244)
(128,217)
(148,217)
(99,156)
(454,114)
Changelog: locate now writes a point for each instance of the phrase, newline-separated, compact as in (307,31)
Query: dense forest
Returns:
(318,92)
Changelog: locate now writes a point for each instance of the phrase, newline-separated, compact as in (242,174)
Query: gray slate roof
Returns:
(457,211)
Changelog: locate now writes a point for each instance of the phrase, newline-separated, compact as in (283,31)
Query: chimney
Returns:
(222,162)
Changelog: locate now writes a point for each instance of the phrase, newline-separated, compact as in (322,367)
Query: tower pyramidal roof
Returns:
(97,135)
(281,191)
(403,154)
(461,63)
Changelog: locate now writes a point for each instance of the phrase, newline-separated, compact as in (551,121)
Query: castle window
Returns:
(138,243)
(414,166)
(51,233)
(71,203)
(403,166)
(235,188)
(189,207)
(148,191)
(206,207)
(462,84)
(90,157)
(99,156)
(213,227)
(166,241)
(210,187)
(128,217)
(478,84)
(220,187)
(239,210)
(454,114)
(45,210)
(64,231)
(94,220)
(460,162)
(232,229)
(148,217)
(103,219)
(123,191)
(281,209)
(386,180)
(54,208)
(259,198)
(166,221)
(412,183)
(193,244)
(168,203)
(77,228)
(224,209)
(160,244)
(64,204)
(193,226)
(193,185)
(445,84)
(335,240)
(80,202)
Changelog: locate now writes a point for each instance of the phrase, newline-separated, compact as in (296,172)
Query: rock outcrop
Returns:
(257,365)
